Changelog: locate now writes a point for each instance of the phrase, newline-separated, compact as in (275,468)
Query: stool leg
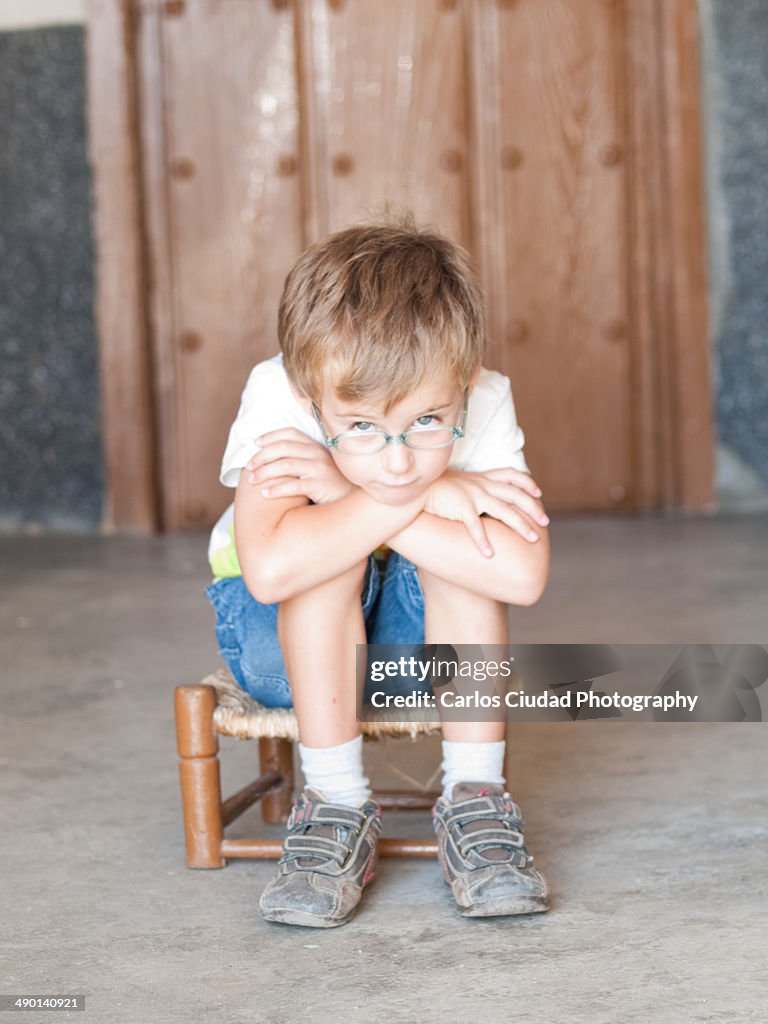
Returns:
(199,775)
(277,755)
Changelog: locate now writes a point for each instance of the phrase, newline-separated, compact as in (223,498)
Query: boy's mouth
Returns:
(408,483)
(394,494)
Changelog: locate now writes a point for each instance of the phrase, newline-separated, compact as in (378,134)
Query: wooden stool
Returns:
(219,705)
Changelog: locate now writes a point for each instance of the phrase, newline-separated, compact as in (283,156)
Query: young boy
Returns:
(377,425)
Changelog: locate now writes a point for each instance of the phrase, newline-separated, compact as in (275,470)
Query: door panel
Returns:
(557,140)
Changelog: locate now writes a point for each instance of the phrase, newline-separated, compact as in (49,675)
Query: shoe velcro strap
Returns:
(485,837)
(479,809)
(472,846)
(326,814)
(315,846)
(329,814)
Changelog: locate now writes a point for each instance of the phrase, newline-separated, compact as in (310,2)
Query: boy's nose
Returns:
(397,458)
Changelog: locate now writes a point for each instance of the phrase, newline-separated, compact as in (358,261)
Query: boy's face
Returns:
(396,474)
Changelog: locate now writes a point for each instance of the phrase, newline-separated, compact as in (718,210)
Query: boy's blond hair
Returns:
(377,309)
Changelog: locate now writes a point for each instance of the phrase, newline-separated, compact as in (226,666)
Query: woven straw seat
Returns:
(238,714)
(219,706)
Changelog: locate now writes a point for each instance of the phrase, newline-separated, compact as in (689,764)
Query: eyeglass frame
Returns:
(459,431)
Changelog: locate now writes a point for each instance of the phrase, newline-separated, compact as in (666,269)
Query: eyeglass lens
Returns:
(436,437)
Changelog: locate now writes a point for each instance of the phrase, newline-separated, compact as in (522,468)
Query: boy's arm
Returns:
(296,469)
(447,537)
(515,574)
(286,546)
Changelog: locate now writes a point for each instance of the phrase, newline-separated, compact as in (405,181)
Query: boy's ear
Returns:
(474,377)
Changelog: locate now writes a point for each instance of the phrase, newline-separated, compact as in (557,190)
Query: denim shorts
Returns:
(246,630)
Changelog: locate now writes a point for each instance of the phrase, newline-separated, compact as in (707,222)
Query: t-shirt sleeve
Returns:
(266,404)
(500,438)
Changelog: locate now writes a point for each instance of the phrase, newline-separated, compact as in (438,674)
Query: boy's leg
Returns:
(453,615)
(318,631)
(490,874)
(332,845)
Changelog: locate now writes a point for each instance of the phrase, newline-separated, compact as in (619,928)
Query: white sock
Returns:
(472,762)
(337,772)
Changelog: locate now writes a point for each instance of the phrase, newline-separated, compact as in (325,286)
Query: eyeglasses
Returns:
(368,442)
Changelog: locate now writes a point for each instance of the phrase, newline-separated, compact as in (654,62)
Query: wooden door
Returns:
(558,140)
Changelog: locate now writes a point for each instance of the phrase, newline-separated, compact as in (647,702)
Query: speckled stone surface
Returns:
(736,84)
(51,468)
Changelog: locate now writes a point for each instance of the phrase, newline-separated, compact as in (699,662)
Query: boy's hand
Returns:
(291,463)
(503,494)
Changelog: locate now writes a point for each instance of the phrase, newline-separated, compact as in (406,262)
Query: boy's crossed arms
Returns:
(287,545)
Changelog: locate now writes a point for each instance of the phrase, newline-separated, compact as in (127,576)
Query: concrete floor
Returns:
(654,837)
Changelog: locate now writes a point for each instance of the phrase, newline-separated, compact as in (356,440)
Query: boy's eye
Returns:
(361,425)
(426,421)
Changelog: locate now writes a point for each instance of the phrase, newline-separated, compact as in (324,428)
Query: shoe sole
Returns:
(303,919)
(508,907)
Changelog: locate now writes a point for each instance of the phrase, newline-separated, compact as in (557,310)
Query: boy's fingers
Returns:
(507,515)
(474,525)
(283,434)
(280,467)
(283,487)
(513,495)
(281,450)
(288,437)
(516,476)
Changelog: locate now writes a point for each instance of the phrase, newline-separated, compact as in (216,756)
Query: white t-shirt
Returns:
(492,440)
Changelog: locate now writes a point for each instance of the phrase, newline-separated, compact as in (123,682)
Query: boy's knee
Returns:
(444,592)
(431,584)
(353,578)
(347,584)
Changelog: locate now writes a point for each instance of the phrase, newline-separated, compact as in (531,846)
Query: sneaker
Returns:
(329,856)
(483,855)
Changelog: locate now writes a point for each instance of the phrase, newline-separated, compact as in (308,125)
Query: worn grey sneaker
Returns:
(329,856)
(483,855)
